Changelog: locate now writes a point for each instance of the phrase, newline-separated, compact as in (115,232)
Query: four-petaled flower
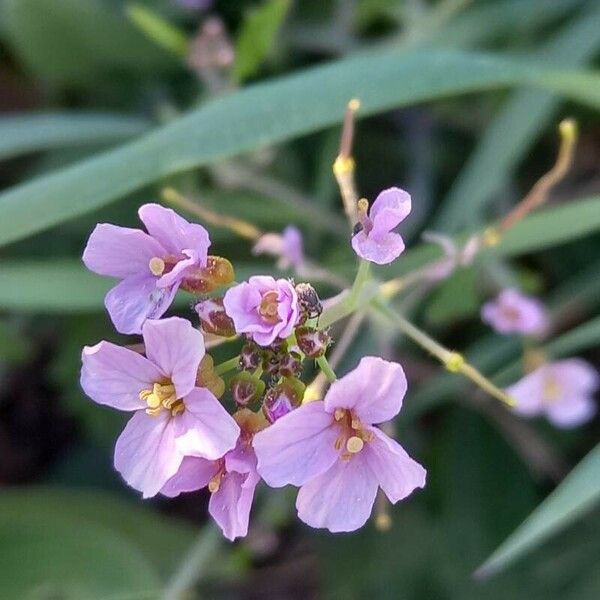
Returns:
(375,239)
(514,312)
(151,265)
(263,307)
(231,480)
(562,391)
(172,417)
(332,450)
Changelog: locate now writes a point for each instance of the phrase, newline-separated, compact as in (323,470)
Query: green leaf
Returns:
(35,132)
(73,40)
(158,30)
(575,496)
(266,114)
(456,298)
(511,134)
(257,36)
(155,540)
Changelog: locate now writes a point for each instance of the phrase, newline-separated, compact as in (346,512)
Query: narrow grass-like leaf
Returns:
(24,133)
(514,130)
(269,113)
(575,496)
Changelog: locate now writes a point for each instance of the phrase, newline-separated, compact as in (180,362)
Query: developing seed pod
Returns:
(217,273)
(308,299)
(312,342)
(290,365)
(213,318)
(250,357)
(282,398)
(246,388)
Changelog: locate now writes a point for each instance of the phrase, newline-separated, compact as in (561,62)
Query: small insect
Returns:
(310,304)
(358,227)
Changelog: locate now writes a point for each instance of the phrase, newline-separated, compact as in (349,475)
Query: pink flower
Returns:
(172,417)
(151,265)
(562,391)
(375,240)
(231,481)
(513,312)
(264,308)
(287,247)
(332,450)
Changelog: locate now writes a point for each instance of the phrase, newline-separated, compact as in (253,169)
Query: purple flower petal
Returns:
(136,299)
(297,447)
(115,376)
(390,208)
(193,474)
(397,473)
(341,499)
(528,393)
(381,251)
(120,251)
(230,505)
(572,412)
(373,390)
(513,312)
(146,453)
(176,348)
(174,232)
(576,376)
(205,428)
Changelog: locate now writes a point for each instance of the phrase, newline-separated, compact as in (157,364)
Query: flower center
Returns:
(159,266)
(552,390)
(353,434)
(268,306)
(510,313)
(363,217)
(162,396)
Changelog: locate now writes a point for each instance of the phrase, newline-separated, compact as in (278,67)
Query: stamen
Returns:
(156,266)
(215,483)
(268,306)
(356,424)
(354,445)
(339,413)
(362,215)
(339,442)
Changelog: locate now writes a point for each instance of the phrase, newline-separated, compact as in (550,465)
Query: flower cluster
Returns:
(181,437)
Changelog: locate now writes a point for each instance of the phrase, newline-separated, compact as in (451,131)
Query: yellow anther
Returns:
(215,483)
(363,205)
(153,401)
(343,165)
(354,444)
(491,237)
(454,362)
(383,522)
(356,424)
(339,413)
(568,130)
(354,104)
(156,266)
(153,412)
(178,408)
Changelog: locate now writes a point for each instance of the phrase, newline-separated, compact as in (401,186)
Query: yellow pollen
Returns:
(161,396)
(268,307)
(156,266)
(215,483)
(354,444)
(363,205)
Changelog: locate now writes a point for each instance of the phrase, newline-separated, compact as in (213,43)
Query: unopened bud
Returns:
(213,318)
(246,388)
(290,365)
(283,398)
(207,378)
(250,357)
(217,273)
(309,302)
(312,342)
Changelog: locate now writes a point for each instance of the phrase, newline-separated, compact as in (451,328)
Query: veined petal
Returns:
(374,390)
(136,299)
(120,251)
(205,428)
(176,348)
(230,505)
(397,473)
(115,376)
(193,474)
(146,452)
(174,232)
(382,251)
(297,447)
(341,499)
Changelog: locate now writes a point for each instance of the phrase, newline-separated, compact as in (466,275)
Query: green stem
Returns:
(327,370)
(362,275)
(228,365)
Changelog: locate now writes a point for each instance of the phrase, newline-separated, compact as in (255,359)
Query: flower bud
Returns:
(213,318)
(309,302)
(207,378)
(217,273)
(250,357)
(283,398)
(290,365)
(312,342)
(246,388)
